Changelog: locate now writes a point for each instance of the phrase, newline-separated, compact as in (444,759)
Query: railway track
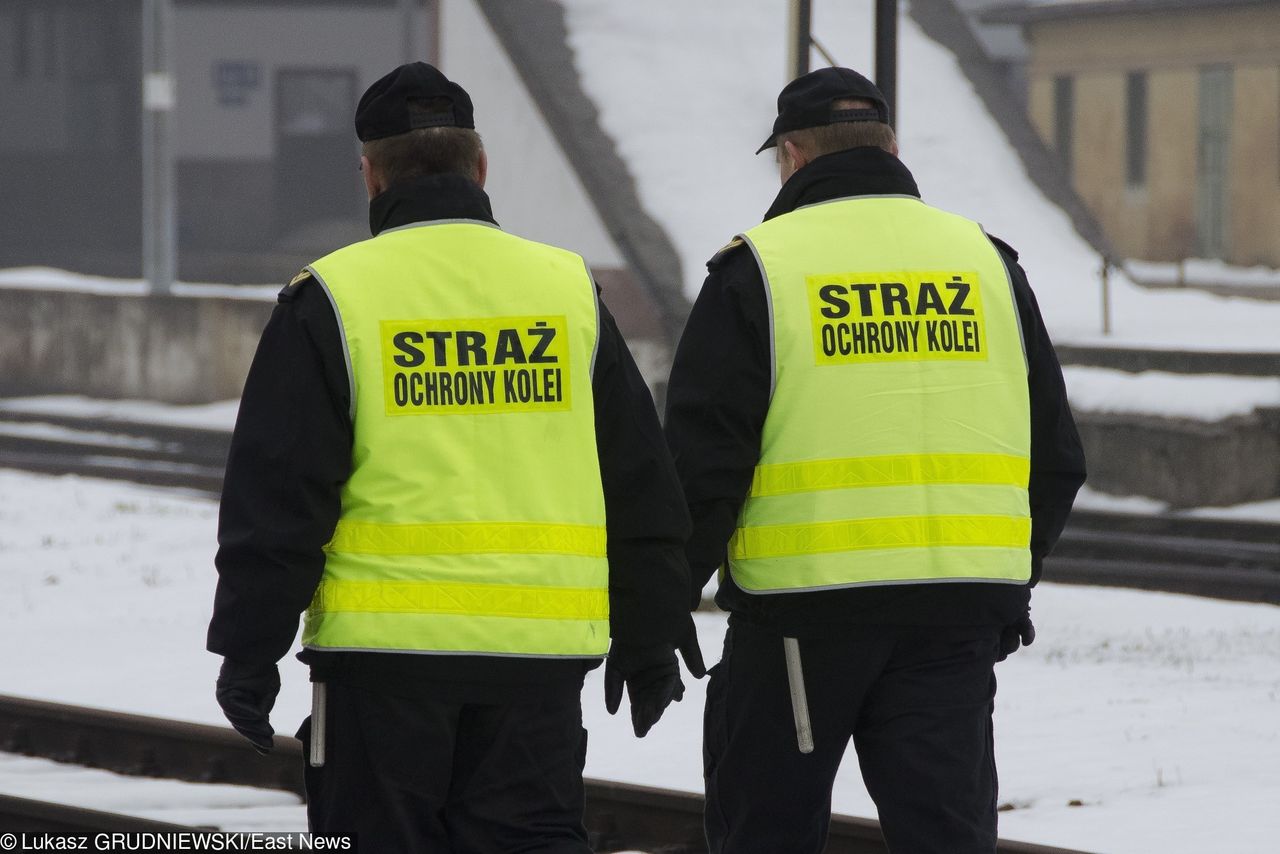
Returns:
(1218,558)
(154,454)
(619,815)
(1175,553)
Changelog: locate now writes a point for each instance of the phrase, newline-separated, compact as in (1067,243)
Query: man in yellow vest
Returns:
(872,431)
(447,457)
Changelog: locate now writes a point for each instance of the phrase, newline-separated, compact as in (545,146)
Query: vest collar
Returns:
(429,198)
(853,172)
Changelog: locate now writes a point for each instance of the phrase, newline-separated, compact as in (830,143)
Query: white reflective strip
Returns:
(549,656)
(342,333)
(768,301)
(595,303)
(884,583)
(1013,301)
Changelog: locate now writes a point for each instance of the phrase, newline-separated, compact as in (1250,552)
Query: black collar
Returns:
(432,197)
(853,172)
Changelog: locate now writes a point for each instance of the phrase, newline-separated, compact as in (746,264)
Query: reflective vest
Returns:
(897,444)
(473,519)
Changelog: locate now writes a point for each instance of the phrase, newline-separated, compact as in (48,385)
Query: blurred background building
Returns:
(264,95)
(1166,115)
(1091,134)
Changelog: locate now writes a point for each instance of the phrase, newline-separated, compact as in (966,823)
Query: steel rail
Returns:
(23,815)
(619,815)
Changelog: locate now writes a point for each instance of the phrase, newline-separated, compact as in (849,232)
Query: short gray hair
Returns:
(828,139)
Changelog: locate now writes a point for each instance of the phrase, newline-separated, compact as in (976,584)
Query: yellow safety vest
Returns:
(474,519)
(897,445)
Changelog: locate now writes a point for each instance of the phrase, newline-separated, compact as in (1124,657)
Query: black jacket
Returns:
(718,397)
(291,453)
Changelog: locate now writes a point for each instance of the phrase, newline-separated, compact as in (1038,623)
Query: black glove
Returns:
(246,693)
(1021,633)
(652,677)
(690,651)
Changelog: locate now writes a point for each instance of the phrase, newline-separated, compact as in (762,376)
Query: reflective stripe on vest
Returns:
(897,444)
(473,519)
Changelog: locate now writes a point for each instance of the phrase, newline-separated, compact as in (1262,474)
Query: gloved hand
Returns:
(652,676)
(246,693)
(1021,633)
(690,651)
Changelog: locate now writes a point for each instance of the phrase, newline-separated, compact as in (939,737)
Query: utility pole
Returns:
(887,55)
(799,28)
(800,37)
(159,230)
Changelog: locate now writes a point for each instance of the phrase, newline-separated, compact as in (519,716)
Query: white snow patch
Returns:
(1160,712)
(211,416)
(52,279)
(1202,397)
(1254,511)
(688,90)
(215,805)
(1203,271)
(54,432)
(1091,499)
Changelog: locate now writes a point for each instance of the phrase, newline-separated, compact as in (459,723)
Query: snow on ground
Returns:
(1159,713)
(689,104)
(212,416)
(1201,397)
(190,804)
(1254,511)
(1203,271)
(51,279)
(55,432)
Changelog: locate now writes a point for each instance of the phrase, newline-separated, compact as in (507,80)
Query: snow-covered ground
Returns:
(190,804)
(51,279)
(212,416)
(1203,271)
(1200,397)
(689,104)
(1159,713)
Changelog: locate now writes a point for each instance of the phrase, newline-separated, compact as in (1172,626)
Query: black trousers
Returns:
(918,709)
(415,776)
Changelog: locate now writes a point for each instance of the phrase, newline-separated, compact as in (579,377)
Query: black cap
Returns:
(407,99)
(806,102)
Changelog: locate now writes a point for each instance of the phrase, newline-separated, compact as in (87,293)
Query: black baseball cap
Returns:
(806,102)
(406,99)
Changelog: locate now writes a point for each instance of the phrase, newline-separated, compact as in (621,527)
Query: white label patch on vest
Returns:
(475,365)
(898,316)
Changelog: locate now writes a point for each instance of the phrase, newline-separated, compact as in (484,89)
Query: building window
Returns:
(1064,108)
(1136,129)
(1214,112)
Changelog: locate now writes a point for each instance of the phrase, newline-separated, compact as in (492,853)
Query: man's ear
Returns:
(372,183)
(798,158)
(482,168)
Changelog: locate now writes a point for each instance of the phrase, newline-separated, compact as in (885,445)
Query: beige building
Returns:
(1166,114)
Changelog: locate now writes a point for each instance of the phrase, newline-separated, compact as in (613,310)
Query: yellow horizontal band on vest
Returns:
(902,532)
(468,538)
(475,600)
(890,470)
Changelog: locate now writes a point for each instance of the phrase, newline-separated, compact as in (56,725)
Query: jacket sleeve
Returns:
(1057,456)
(281,497)
(717,400)
(647,521)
